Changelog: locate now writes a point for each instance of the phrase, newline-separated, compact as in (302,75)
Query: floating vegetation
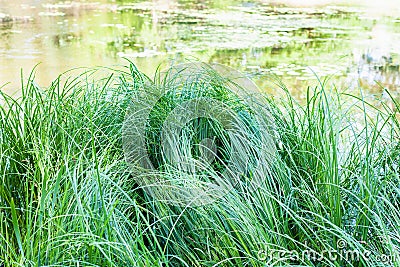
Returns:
(6,18)
(240,34)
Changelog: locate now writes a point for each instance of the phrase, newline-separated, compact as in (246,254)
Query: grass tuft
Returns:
(69,198)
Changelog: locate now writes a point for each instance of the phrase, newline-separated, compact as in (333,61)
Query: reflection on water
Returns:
(346,43)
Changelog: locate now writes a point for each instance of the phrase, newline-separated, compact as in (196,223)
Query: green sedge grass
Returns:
(68,198)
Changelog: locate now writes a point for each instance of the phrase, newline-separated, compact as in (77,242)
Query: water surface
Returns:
(351,44)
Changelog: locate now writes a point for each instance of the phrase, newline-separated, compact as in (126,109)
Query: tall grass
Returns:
(68,197)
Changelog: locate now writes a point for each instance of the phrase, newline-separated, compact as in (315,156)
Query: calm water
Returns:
(351,44)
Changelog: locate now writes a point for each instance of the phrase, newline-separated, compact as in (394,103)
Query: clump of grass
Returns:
(68,197)
(64,195)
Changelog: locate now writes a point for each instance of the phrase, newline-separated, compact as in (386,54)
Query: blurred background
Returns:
(353,43)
